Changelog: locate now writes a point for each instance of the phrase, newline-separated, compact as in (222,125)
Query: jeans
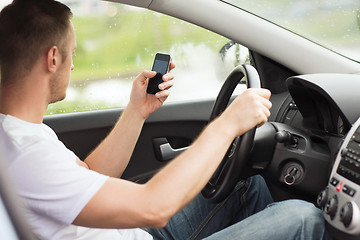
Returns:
(248,213)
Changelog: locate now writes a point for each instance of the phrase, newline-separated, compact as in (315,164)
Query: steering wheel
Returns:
(229,171)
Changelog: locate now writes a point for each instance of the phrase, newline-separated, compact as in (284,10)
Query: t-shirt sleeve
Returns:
(52,183)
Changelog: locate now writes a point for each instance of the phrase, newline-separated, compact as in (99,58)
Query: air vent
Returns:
(289,113)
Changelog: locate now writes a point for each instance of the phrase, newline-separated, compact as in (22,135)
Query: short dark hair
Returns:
(28,29)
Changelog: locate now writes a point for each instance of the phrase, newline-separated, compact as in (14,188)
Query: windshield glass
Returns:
(333,24)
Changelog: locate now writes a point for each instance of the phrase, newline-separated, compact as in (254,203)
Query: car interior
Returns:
(13,224)
(310,147)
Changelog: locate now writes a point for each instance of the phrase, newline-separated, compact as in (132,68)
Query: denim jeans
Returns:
(248,213)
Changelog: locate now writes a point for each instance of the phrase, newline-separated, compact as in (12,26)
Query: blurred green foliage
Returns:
(124,45)
(74,106)
(127,42)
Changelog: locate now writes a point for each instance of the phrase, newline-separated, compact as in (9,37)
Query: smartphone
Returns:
(161,66)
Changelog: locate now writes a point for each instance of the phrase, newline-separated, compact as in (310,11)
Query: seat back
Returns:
(13,223)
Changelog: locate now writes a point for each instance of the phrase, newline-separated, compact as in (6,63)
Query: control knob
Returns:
(322,198)
(346,214)
(331,207)
(287,138)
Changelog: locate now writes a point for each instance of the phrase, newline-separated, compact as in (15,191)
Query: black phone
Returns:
(161,66)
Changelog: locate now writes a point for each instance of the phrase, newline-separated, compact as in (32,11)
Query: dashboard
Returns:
(327,102)
(330,109)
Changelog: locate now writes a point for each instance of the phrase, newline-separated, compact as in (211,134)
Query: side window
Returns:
(116,42)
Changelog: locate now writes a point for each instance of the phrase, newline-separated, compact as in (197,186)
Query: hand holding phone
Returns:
(161,67)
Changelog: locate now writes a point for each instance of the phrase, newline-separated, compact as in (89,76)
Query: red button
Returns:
(339,187)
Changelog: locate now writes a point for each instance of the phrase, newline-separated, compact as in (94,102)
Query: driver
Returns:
(68,198)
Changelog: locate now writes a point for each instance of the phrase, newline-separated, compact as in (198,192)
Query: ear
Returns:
(53,59)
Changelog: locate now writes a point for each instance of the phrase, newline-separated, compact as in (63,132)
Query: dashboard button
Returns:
(348,190)
(345,151)
(339,187)
(356,138)
(334,182)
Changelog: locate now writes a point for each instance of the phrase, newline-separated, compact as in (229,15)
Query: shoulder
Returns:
(21,134)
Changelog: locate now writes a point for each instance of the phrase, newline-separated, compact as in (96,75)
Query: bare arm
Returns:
(112,156)
(122,204)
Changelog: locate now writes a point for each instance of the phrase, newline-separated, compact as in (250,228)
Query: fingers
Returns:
(144,75)
(168,80)
(167,77)
(266,106)
(261,104)
(162,94)
(265,93)
(166,85)
(149,74)
(172,66)
(255,105)
(260,94)
(263,116)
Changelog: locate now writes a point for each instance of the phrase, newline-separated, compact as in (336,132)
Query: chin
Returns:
(57,99)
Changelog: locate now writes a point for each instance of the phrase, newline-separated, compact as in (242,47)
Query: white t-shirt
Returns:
(53,186)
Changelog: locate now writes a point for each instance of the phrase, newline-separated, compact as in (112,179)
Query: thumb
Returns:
(145,75)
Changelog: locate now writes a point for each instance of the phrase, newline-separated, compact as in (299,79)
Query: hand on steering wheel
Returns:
(228,173)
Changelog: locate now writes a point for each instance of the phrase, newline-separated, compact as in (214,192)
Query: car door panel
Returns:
(178,123)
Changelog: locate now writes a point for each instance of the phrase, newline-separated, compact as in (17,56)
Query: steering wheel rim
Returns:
(228,173)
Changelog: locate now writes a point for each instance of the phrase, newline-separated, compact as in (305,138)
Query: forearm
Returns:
(186,176)
(182,179)
(123,204)
(112,156)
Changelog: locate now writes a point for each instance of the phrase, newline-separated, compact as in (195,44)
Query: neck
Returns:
(25,99)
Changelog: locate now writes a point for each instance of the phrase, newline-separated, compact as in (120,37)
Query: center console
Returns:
(340,200)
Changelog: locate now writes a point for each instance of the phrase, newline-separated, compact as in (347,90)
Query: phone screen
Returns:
(161,66)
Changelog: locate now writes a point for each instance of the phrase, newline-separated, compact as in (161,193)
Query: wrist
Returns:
(224,127)
(134,112)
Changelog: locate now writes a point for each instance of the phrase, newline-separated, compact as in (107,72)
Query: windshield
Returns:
(333,24)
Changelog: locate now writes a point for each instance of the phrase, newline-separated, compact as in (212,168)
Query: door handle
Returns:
(168,153)
(164,151)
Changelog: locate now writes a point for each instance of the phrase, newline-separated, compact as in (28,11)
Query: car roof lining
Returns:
(270,40)
(136,3)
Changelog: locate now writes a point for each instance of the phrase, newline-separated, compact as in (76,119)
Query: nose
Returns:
(72,67)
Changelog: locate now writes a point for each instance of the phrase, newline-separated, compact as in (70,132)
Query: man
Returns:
(61,192)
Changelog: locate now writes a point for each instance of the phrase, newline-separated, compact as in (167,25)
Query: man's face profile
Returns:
(60,80)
